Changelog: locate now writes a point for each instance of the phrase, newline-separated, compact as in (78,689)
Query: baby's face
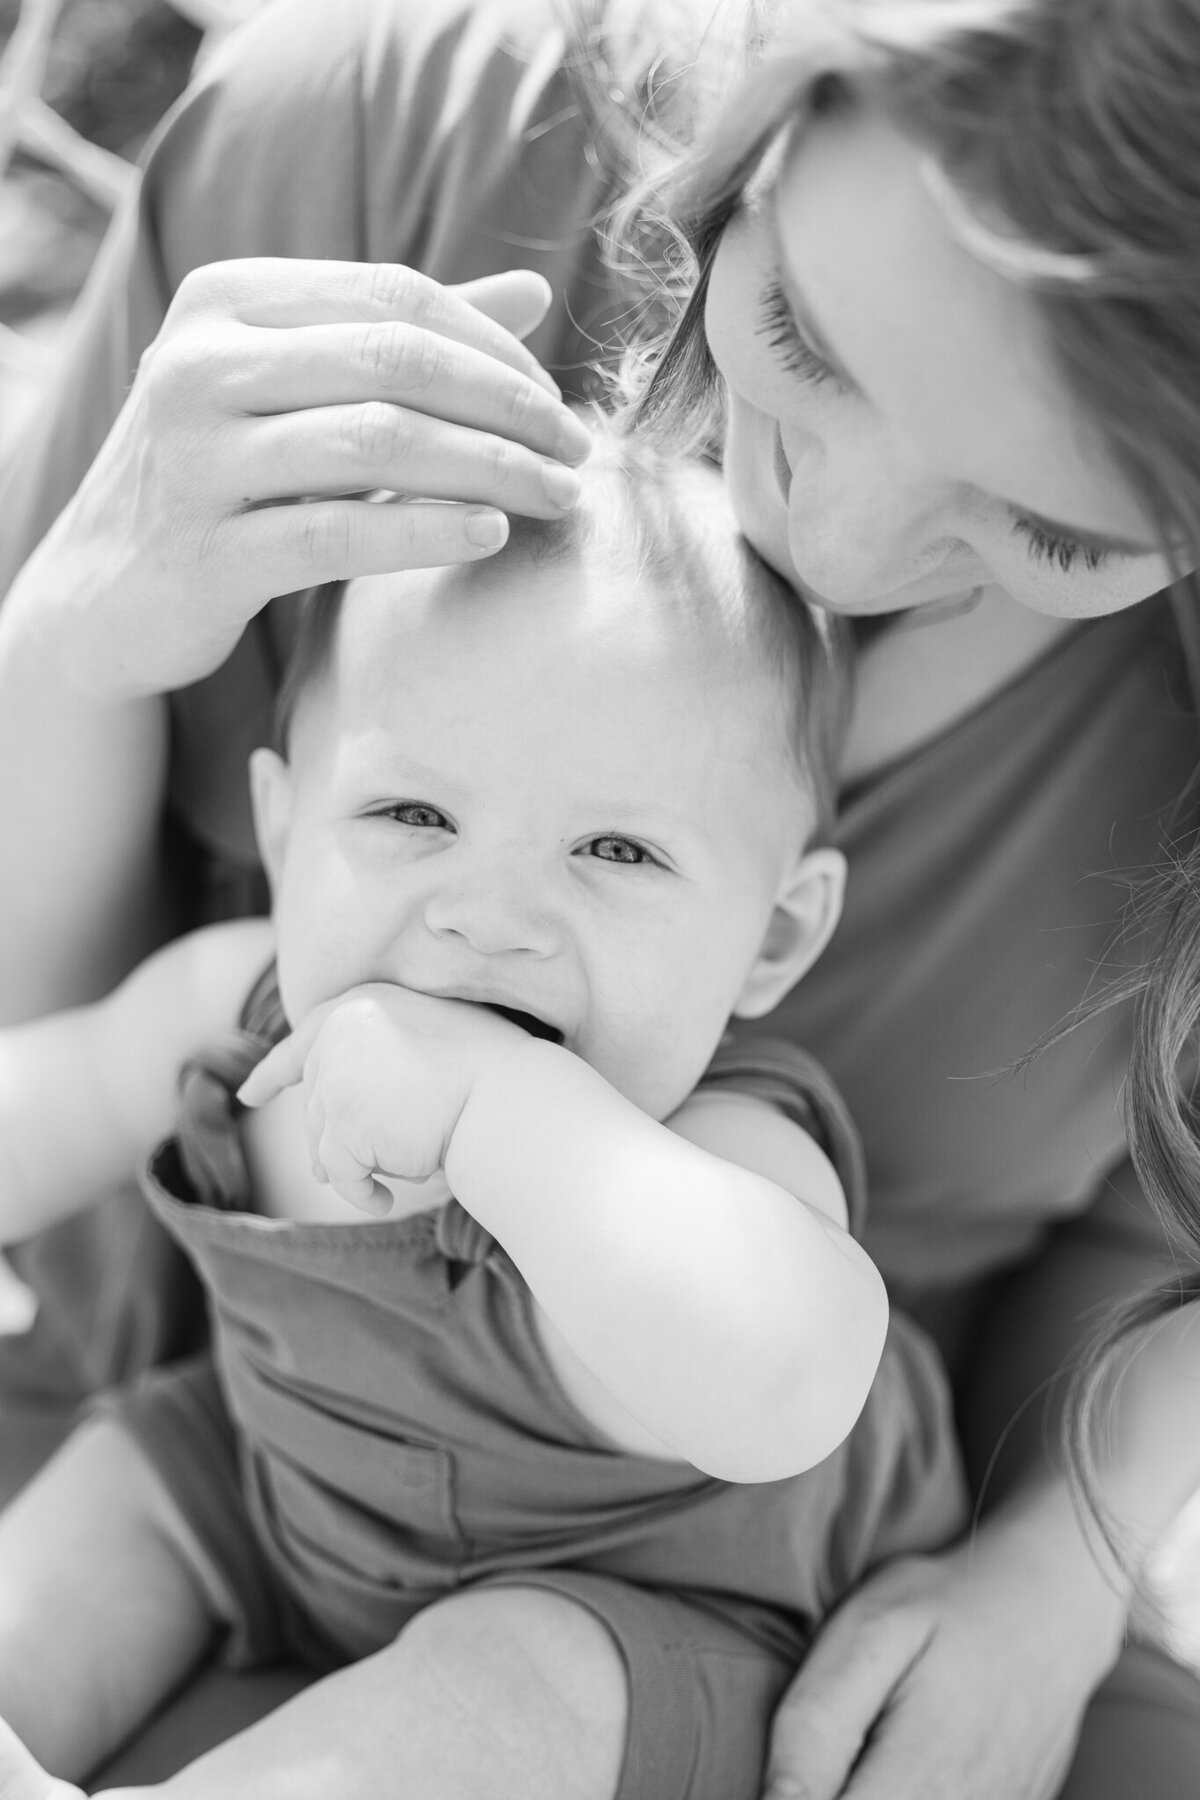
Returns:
(530,787)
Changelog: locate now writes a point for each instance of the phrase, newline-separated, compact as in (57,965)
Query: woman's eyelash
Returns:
(1062,553)
(778,327)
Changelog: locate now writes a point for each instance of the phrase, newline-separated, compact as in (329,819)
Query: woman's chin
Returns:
(934,599)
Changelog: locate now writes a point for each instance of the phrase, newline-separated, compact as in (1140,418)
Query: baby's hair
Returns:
(657,516)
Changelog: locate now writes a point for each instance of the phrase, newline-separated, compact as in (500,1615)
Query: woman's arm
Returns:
(971,1671)
(306,137)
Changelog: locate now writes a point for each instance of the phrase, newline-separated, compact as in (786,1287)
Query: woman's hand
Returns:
(962,1676)
(386,1074)
(274,393)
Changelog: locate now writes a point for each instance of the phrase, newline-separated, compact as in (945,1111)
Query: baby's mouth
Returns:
(529,1022)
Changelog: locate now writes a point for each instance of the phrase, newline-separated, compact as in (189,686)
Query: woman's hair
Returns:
(1063,139)
(1063,143)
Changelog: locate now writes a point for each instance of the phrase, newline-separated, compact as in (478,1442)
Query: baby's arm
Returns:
(701,1273)
(85,1093)
(102,1613)
(705,1280)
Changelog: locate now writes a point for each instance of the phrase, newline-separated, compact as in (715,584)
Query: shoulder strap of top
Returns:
(794,1081)
(210,1145)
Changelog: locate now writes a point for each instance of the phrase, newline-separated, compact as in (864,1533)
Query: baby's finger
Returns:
(351,1178)
(314,1132)
(283,1066)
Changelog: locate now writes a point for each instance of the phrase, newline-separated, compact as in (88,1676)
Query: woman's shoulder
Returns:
(298,60)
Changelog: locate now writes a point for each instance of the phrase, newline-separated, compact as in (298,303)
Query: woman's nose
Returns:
(492,910)
(866,515)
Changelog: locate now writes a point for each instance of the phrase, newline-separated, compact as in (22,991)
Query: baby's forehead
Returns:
(572,602)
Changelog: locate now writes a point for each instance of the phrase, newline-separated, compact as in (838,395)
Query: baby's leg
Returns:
(99,1615)
(554,1685)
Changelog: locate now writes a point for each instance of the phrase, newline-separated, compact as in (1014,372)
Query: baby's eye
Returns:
(416,812)
(618,850)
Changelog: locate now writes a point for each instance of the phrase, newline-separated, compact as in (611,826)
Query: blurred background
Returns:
(82,85)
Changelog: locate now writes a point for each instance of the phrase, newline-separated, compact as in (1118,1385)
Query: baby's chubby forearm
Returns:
(732,1317)
(739,1324)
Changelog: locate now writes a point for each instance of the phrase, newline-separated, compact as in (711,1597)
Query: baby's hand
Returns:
(386,1074)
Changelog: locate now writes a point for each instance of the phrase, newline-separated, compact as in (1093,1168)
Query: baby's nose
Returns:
(494,914)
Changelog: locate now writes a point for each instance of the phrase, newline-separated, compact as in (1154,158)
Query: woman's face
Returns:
(897,433)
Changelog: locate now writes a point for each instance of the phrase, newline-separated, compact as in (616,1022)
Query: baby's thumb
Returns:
(22,1777)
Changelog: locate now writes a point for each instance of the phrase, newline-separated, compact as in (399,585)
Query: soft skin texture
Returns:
(894,408)
(860,466)
(580,865)
(244,170)
(549,789)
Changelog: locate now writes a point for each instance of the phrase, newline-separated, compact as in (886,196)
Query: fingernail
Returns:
(486,530)
(575,441)
(563,486)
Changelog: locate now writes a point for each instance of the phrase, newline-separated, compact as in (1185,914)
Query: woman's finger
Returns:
(335,450)
(327,540)
(284,292)
(336,365)
(516,299)
(855,1665)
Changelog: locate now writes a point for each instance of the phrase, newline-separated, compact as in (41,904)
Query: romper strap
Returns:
(794,1081)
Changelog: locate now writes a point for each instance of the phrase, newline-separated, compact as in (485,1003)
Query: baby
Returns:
(537,830)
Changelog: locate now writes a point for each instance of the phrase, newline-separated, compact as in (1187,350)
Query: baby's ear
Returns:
(807,909)
(271,804)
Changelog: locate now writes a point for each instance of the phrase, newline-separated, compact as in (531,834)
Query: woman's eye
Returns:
(778,327)
(415,812)
(618,850)
(1062,553)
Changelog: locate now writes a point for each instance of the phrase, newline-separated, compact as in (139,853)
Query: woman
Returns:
(938,415)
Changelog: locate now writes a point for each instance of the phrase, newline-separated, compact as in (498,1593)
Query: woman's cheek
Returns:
(753,486)
(1077,593)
